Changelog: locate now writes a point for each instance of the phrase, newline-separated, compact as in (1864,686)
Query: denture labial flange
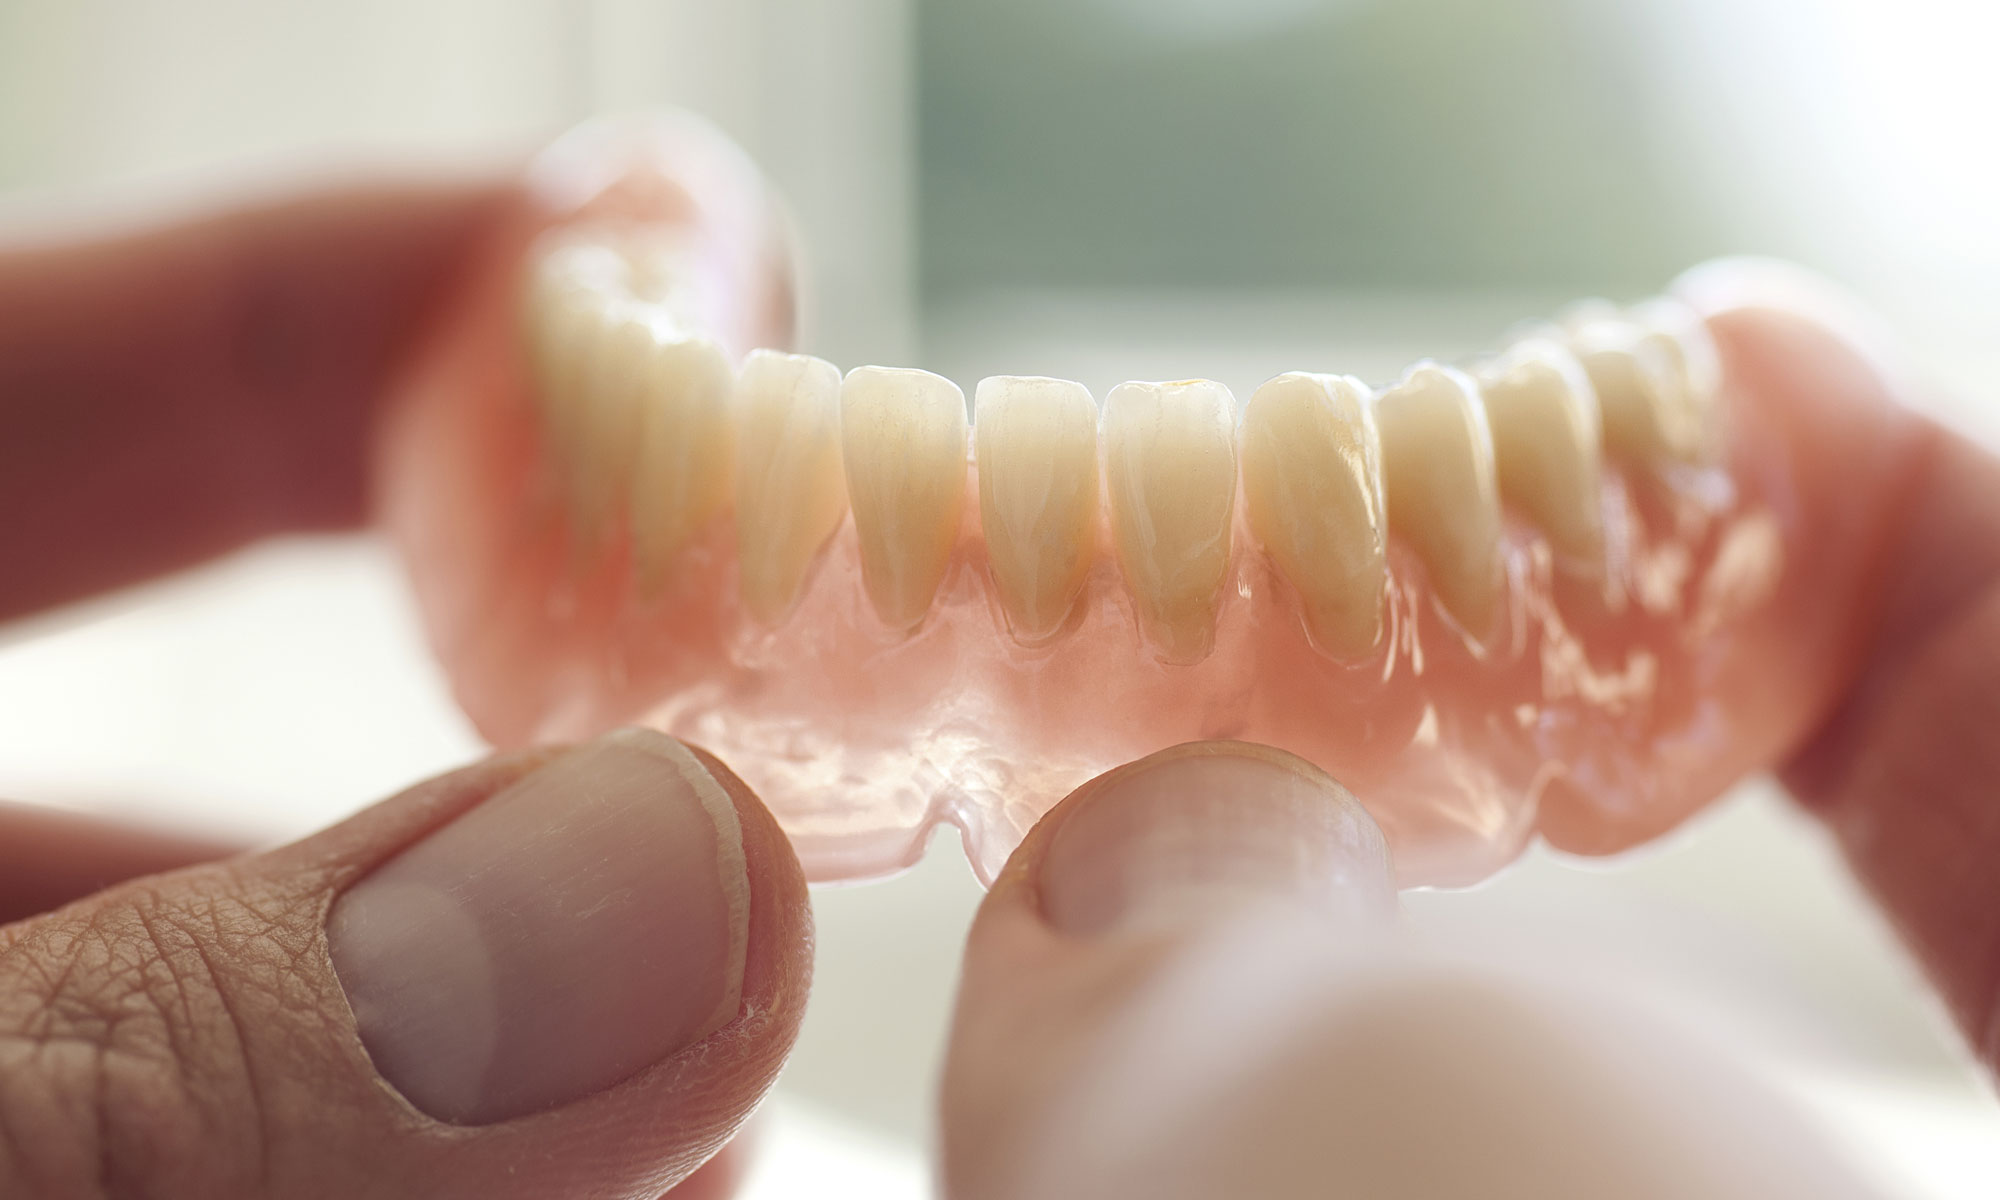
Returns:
(1514,595)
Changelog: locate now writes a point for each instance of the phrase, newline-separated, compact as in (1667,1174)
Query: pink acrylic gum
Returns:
(1610,702)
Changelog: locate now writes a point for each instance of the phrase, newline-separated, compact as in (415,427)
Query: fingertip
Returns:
(778,968)
(1108,891)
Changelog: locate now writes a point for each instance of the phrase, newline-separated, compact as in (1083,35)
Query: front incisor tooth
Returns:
(903,446)
(1438,479)
(1036,443)
(1547,446)
(1312,484)
(1656,376)
(790,495)
(1170,470)
(681,478)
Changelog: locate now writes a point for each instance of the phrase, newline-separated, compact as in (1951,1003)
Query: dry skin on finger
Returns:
(1530,595)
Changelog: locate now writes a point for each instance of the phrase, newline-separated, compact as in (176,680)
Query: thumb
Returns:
(561,973)
(1906,770)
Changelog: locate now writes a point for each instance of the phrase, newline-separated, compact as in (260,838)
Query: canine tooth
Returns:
(1170,467)
(1547,444)
(681,476)
(790,494)
(903,446)
(1312,481)
(1438,477)
(1655,377)
(1036,442)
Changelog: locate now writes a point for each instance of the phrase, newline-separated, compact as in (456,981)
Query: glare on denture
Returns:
(1471,595)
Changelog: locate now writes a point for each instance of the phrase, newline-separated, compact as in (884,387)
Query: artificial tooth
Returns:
(1547,445)
(903,446)
(790,495)
(681,477)
(1655,376)
(614,384)
(1170,470)
(1694,365)
(1438,478)
(565,322)
(1036,443)
(1312,481)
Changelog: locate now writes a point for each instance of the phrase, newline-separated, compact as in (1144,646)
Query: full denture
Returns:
(1490,599)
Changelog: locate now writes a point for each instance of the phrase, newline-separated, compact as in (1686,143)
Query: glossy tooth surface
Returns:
(1312,484)
(1693,370)
(1170,471)
(903,447)
(1547,444)
(616,378)
(680,480)
(564,323)
(790,491)
(1438,478)
(1655,376)
(1036,443)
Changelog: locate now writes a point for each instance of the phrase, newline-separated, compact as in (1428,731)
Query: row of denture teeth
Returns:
(644,414)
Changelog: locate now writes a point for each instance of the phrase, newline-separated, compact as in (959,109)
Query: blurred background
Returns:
(1102,189)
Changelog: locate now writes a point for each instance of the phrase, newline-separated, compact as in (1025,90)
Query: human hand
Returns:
(249,1022)
(1193,1008)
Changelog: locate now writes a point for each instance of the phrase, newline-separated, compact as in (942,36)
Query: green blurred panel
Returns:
(1290,143)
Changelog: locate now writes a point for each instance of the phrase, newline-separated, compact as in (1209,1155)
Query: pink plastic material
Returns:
(1609,709)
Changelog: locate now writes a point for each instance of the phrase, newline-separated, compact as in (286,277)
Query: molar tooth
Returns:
(680,480)
(1170,467)
(1438,476)
(1547,444)
(1036,441)
(903,446)
(790,495)
(1312,484)
(1656,378)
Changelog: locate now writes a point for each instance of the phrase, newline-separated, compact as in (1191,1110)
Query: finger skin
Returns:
(1030,1004)
(1283,1051)
(185,1035)
(1905,770)
(49,857)
(170,394)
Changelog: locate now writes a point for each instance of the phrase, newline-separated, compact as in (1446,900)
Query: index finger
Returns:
(169,394)
(1906,769)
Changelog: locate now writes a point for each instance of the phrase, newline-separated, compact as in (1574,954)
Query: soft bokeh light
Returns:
(1102,189)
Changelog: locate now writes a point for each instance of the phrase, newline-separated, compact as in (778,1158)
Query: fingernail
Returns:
(1199,832)
(576,927)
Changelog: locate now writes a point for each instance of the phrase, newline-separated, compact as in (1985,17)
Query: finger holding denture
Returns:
(1523,596)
